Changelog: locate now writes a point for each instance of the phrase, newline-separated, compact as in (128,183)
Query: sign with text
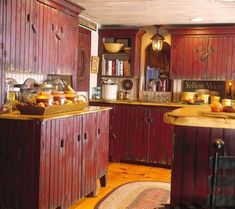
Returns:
(219,86)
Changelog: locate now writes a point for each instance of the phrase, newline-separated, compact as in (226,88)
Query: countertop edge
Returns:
(134,102)
(15,115)
(187,116)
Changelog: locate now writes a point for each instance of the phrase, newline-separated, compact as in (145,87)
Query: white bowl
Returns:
(113,47)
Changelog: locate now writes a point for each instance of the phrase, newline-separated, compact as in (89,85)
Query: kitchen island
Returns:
(193,138)
(52,161)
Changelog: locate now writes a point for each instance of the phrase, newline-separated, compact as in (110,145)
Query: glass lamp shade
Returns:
(157,45)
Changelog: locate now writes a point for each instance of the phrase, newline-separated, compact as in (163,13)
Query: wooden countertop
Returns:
(136,102)
(192,116)
(15,115)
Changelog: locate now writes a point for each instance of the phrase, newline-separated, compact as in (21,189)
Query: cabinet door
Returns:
(221,61)
(52,157)
(189,57)
(18,35)
(160,137)
(77,159)
(66,33)
(47,43)
(136,132)
(102,143)
(88,157)
(84,52)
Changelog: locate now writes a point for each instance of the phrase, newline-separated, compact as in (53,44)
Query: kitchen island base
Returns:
(52,163)
(193,139)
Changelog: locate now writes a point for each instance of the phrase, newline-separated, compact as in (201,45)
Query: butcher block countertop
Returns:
(200,116)
(136,102)
(15,115)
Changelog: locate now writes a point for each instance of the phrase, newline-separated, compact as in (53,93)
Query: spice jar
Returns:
(126,95)
(120,95)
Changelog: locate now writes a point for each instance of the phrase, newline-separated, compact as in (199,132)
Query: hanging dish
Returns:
(127,84)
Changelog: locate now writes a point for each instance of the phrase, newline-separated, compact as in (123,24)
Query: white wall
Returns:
(94,52)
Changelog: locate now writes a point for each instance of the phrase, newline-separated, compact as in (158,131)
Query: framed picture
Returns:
(94,64)
(123,41)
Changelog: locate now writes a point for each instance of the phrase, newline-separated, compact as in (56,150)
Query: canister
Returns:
(109,92)
(120,95)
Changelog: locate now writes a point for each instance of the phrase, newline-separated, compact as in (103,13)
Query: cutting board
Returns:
(217,114)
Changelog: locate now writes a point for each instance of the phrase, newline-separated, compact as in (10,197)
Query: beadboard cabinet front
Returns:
(139,134)
(203,53)
(56,40)
(84,53)
(18,35)
(51,163)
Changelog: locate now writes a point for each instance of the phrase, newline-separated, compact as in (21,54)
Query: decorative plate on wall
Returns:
(127,84)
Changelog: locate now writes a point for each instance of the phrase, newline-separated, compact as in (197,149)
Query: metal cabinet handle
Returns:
(98,130)
(79,137)
(85,136)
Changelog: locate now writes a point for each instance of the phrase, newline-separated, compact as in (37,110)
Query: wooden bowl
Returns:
(113,47)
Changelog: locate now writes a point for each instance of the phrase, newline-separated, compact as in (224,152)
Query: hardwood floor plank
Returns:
(120,173)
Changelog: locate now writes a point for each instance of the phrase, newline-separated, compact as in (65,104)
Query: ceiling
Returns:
(157,12)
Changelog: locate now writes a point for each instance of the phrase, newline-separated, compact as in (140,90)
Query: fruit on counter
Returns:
(59,97)
(216,107)
(228,109)
(45,98)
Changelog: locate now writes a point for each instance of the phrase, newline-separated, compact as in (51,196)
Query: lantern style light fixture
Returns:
(157,40)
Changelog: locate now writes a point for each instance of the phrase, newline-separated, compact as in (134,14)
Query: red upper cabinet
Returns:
(56,40)
(18,35)
(203,53)
(131,38)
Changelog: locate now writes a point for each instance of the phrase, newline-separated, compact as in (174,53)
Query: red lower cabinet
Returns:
(51,163)
(139,134)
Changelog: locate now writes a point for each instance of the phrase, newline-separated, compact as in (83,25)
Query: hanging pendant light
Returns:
(157,40)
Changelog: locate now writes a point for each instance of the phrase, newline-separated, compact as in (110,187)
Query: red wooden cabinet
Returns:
(56,40)
(52,163)
(203,53)
(102,146)
(18,35)
(84,53)
(138,133)
(190,167)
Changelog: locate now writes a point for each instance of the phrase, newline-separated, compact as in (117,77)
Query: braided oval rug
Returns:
(136,195)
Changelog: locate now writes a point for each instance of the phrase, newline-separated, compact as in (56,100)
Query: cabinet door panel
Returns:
(67,36)
(137,129)
(46,42)
(84,51)
(77,159)
(88,158)
(102,143)
(12,34)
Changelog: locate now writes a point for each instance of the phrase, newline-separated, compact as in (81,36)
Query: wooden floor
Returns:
(120,173)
